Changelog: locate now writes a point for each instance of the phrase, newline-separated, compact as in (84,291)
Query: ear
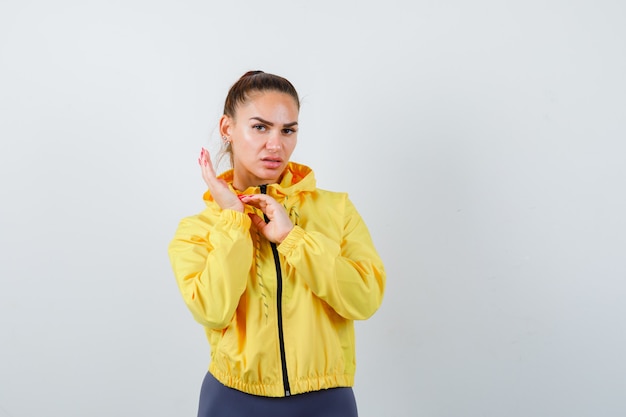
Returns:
(226,125)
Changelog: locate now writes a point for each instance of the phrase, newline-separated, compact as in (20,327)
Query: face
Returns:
(263,135)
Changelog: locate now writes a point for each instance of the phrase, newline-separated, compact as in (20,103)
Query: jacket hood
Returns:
(296,178)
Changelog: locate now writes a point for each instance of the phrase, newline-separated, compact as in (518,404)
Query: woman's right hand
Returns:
(222,195)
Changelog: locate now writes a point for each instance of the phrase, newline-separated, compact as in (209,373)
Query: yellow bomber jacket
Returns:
(279,318)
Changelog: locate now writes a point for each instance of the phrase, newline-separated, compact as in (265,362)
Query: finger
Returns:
(206,161)
(254,201)
(260,199)
(205,158)
(208,173)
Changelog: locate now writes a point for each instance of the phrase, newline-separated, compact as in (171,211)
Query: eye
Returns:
(289,131)
(259,127)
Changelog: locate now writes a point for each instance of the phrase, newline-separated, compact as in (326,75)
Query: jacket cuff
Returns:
(236,219)
(293,238)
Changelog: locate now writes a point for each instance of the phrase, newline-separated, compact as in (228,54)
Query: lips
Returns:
(272,162)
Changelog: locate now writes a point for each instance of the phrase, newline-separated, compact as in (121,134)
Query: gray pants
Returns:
(217,400)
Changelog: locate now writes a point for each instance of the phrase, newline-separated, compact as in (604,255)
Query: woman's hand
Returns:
(279,225)
(222,195)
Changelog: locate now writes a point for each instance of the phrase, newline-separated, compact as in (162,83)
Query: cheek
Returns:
(245,148)
(292,145)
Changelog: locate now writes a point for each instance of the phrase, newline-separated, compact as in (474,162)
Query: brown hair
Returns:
(250,82)
(253,81)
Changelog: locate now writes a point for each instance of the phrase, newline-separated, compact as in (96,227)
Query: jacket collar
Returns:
(296,178)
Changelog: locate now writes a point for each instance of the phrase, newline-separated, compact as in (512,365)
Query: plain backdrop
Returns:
(483,143)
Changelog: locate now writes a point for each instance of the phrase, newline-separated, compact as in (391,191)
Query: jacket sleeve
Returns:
(211,262)
(348,274)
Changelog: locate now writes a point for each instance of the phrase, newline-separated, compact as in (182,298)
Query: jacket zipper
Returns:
(279,305)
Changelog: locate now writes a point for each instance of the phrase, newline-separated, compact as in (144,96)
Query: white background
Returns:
(483,143)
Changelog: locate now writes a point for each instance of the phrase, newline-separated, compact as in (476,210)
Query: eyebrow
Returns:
(272,124)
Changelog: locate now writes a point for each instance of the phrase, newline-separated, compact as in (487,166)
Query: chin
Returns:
(272,177)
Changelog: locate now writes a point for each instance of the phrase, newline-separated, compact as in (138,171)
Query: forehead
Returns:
(268,103)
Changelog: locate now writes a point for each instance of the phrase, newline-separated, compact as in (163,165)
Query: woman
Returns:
(275,269)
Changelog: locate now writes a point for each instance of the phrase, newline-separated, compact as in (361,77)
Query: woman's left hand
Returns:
(279,225)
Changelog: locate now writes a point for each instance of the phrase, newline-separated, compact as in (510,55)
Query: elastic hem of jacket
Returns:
(299,386)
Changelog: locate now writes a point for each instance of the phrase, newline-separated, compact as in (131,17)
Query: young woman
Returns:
(275,269)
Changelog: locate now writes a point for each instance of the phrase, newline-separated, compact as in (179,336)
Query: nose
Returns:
(273,143)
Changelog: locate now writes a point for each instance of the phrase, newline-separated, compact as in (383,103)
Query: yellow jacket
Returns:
(279,318)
